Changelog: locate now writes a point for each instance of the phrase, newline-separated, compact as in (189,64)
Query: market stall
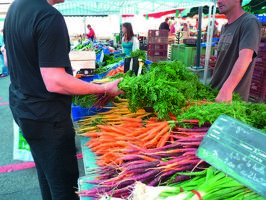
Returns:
(162,139)
(162,135)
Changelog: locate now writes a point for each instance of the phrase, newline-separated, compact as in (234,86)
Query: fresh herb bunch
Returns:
(111,59)
(85,101)
(166,88)
(104,69)
(249,113)
(140,54)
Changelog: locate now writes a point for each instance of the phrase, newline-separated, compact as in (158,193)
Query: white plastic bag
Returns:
(21,149)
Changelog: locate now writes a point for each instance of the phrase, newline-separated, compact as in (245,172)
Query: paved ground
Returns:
(20,185)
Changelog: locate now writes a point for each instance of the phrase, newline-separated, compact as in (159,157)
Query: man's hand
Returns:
(224,96)
(112,88)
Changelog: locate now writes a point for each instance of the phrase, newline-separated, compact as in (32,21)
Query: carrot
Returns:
(154,141)
(163,140)
(131,119)
(91,134)
(151,133)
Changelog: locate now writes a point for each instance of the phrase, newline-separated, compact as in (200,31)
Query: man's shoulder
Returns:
(250,18)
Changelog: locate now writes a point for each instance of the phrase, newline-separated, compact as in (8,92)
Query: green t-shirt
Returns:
(244,33)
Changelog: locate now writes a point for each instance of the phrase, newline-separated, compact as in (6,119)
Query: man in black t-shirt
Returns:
(237,50)
(165,25)
(37,45)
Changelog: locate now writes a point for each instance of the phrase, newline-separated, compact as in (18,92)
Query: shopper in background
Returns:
(172,28)
(129,41)
(215,32)
(165,25)
(41,89)
(91,35)
(237,50)
(3,66)
(186,31)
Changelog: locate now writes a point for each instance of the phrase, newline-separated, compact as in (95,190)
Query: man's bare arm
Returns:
(57,80)
(238,72)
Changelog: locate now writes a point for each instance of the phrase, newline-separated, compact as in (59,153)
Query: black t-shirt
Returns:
(164,26)
(36,36)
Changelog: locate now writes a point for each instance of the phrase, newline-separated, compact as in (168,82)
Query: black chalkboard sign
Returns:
(238,150)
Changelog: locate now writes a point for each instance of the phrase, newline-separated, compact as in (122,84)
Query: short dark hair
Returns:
(130,32)
(88,26)
(166,19)
(241,1)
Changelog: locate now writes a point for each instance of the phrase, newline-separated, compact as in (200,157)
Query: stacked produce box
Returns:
(157,45)
(258,84)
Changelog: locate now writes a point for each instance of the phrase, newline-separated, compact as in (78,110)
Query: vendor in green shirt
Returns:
(129,42)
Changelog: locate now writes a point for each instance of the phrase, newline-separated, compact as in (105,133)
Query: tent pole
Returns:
(199,36)
(211,21)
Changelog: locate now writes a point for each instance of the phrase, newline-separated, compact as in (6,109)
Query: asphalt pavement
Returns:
(18,185)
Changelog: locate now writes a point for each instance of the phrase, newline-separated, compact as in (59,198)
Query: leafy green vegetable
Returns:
(250,113)
(166,88)
(85,101)
(105,69)
(211,184)
(140,54)
(108,59)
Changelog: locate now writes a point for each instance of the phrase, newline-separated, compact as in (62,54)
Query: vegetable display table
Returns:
(89,160)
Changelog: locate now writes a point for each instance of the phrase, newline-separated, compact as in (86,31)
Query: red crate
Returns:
(157,53)
(259,73)
(158,47)
(158,33)
(263,32)
(158,40)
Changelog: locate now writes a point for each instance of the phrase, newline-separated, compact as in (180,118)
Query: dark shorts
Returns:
(53,149)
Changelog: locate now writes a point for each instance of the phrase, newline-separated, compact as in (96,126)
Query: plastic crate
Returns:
(156,40)
(186,54)
(158,33)
(79,113)
(157,58)
(158,46)
(153,53)
(263,31)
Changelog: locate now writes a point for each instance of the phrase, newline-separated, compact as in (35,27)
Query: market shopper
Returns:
(172,28)
(237,50)
(165,25)
(3,66)
(91,35)
(37,45)
(129,41)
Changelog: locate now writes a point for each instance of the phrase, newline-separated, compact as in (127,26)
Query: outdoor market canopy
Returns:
(107,7)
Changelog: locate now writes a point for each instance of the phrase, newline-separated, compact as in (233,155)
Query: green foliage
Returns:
(104,69)
(85,101)
(111,59)
(252,114)
(140,54)
(166,88)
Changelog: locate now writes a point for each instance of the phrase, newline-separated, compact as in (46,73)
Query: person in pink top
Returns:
(172,28)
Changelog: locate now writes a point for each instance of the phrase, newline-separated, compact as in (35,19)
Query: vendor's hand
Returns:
(224,96)
(112,88)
